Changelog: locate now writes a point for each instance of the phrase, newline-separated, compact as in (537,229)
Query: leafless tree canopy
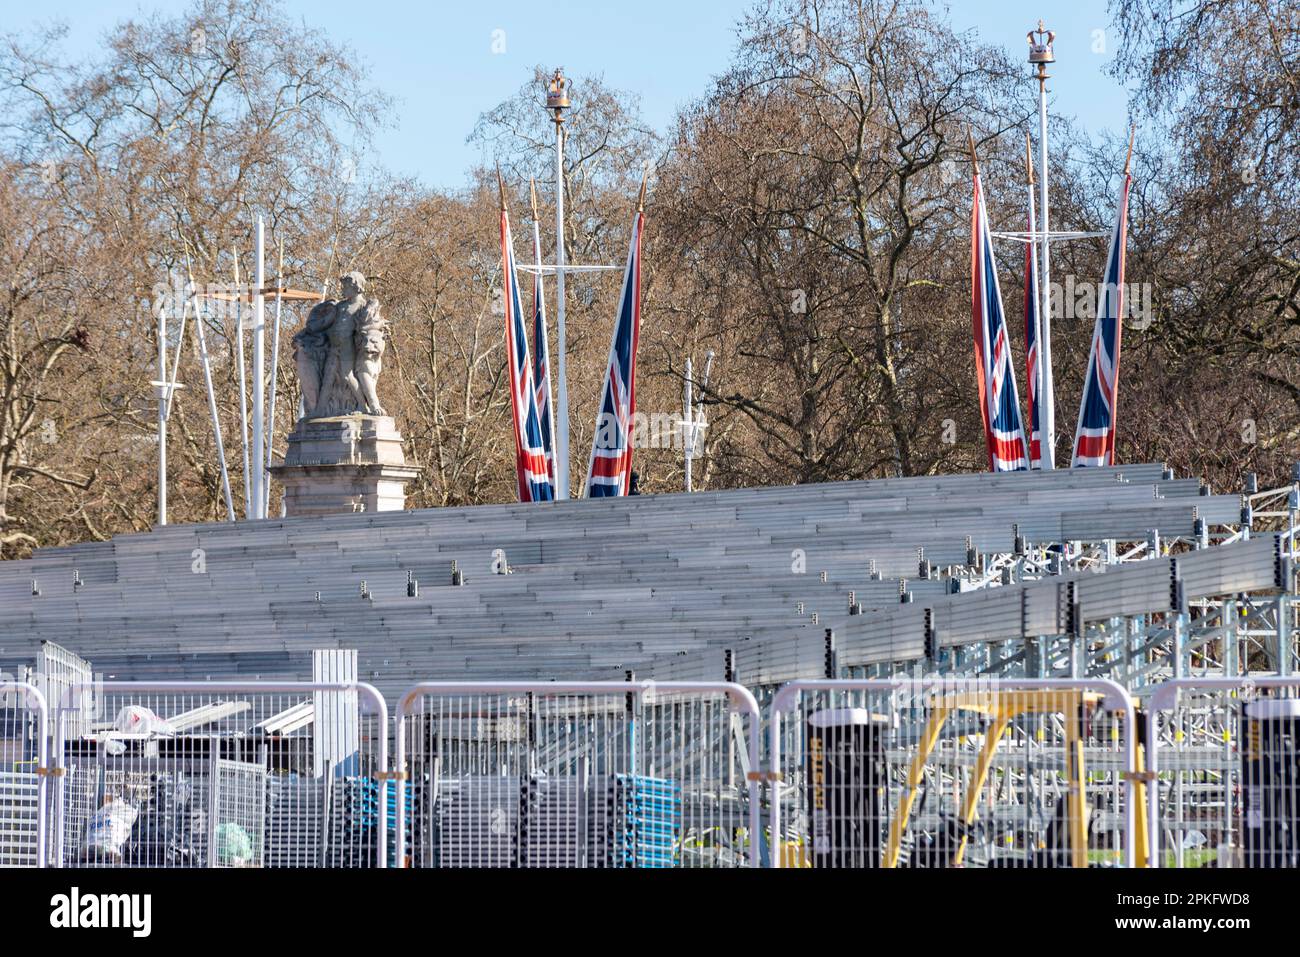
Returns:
(808,222)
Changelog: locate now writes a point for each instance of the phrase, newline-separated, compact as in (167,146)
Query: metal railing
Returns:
(577,774)
(1225,763)
(857,773)
(24,775)
(220,774)
(952,773)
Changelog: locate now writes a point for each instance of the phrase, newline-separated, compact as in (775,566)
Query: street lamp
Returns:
(1040,55)
(557,101)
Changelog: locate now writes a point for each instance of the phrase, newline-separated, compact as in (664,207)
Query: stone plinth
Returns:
(346,463)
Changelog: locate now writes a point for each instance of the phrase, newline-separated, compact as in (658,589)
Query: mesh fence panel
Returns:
(1228,780)
(950,774)
(23,727)
(233,775)
(635,778)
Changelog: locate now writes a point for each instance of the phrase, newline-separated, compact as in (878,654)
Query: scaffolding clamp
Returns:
(764,776)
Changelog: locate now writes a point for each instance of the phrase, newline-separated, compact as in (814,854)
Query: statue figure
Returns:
(338,353)
(370,339)
(310,349)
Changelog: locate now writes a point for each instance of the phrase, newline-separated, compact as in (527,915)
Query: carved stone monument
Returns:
(345,455)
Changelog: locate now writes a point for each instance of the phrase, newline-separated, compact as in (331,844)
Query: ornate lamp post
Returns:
(1040,55)
(557,101)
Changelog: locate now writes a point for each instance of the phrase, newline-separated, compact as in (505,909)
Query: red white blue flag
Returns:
(535,483)
(1033,334)
(1004,432)
(542,356)
(1094,437)
(610,469)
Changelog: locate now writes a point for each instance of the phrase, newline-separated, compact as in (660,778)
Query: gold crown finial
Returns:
(1040,48)
(557,94)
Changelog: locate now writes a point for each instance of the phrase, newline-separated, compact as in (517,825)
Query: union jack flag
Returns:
(610,469)
(542,359)
(535,483)
(999,402)
(1094,437)
(1033,332)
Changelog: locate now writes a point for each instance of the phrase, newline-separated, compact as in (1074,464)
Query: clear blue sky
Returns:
(437,58)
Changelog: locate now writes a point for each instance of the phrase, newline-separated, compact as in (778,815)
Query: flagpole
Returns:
(207,381)
(1040,54)
(243,389)
(688,427)
(1109,298)
(166,390)
(691,424)
(162,414)
(275,374)
(631,287)
(557,101)
(982,336)
(1119,299)
(1031,265)
(508,300)
(259,364)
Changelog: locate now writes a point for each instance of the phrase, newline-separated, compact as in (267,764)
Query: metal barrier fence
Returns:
(24,777)
(952,773)
(1225,758)
(578,774)
(221,774)
(861,773)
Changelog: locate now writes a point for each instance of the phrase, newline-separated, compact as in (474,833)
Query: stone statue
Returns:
(345,454)
(338,353)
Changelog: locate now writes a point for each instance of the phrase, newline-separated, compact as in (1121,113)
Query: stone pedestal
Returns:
(346,463)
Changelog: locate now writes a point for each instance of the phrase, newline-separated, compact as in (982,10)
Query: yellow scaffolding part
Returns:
(1002,707)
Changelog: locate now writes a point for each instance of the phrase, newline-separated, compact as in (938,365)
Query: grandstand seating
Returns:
(659,584)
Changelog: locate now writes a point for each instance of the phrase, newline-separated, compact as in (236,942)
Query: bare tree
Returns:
(1218,84)
(816,189)
(168,146)
(41,330)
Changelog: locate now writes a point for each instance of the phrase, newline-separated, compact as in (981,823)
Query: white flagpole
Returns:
(212,395)
(275,374)
(698,421)
(1040,54)
(1035,422)
(259,368)
(557,101)
(631,287)
(176,360)
(688,424)
(562,379)
(162,415)
(243,391)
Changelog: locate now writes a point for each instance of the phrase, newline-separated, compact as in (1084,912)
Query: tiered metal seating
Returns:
(660,585)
